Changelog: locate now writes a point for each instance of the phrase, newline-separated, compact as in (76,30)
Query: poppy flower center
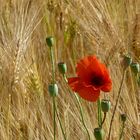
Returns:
(97,81)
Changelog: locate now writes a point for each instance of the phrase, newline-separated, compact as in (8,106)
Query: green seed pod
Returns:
(105,105)
(135,67)
(99,133)
(62,67)
(50,41)
(127,61)
(123,117)
(53,89)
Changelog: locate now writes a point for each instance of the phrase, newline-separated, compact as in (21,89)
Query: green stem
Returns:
(65,78)
(54,116)
(99,113)
(53,64)
(117,100)
(122,129)
(80,107)
(82,117)
(103,119)
(54,102)
(64,136)
(53,80)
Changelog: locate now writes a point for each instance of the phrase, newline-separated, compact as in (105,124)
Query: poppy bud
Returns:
(123,117)
(105,105)
(53,89)
(62,67)
(135,67)
(127,61)
(99,133)
(50,41)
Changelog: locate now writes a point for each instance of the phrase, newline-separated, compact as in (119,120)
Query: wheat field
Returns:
(107,28)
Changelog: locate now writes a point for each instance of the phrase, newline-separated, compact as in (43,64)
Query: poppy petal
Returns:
(92,76)
(88,93)
(108,83)
(95,66)
(87,67)
(74,83)
(107,87)
(82,69)
(105,71)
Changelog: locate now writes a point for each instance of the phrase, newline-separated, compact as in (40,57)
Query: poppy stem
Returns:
(53,64)
(55,113)
(53,98)
(82,117)
(103,119)
(99,113)
(117,100)
(65,78)
(64,136)
(80,107)
(54,116)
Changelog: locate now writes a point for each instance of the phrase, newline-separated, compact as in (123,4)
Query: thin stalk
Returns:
(53,81)
(54,102)
(53,64)
(82,117)
(80,107)
(99,113)
(122,129)
(117,100)
(103,119)
(64,136)
(65,78)
(54,118)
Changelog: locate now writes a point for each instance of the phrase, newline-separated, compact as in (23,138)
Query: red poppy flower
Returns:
(92,77)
